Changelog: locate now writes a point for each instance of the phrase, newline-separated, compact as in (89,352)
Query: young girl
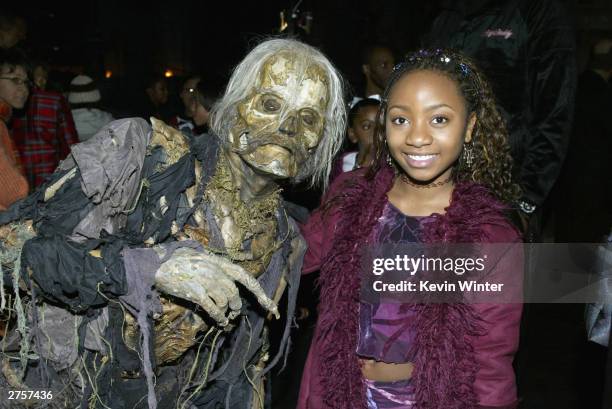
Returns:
(441,173)
(361,123)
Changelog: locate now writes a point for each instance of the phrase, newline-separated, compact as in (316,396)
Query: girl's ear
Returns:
(351,135)
(470,127)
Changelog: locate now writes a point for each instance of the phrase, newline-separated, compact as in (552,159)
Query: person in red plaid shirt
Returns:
(43,134)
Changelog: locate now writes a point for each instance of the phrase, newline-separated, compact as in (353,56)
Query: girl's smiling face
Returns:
(426,125)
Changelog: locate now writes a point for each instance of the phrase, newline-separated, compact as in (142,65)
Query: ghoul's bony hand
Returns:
(209,281)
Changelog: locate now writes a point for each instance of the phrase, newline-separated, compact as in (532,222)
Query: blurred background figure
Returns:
(584,209)
(377,65)
(377,62)
(527,51)
(184,119)
(204,97)
(13,95)
(13,29)
(43,133)
(40,75)
(360,132)
(198,102)
(156,99)
(85,101)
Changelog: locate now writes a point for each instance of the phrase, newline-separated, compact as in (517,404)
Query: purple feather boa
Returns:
(444,364)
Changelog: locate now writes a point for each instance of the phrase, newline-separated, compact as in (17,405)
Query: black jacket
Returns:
(527,50)
(585,211)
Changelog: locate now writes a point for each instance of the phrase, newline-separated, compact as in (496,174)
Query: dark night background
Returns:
(135,39)
(197,36)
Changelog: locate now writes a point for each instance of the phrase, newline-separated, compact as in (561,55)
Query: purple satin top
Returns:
(384,333)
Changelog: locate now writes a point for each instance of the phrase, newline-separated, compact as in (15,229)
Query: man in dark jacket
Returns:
(527,51)
(585,213)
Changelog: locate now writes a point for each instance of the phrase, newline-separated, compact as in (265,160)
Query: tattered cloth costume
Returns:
(111,200)
(462,353)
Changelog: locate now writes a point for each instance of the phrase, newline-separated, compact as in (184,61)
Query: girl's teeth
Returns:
(421,157)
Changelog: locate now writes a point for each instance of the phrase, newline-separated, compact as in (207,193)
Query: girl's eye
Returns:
(399,121)
(366,126)
(439,120)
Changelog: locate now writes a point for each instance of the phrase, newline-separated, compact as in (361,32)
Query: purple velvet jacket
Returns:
(449,374)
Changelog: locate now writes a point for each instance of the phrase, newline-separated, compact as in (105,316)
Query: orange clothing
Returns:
(13,185)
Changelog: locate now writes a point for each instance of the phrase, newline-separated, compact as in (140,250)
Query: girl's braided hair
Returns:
(492,163)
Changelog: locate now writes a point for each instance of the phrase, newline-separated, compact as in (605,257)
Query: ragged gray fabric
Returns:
(140,267)
(95,332)
(599,315)
(293,283)
(110,164)
(57,334)
(141,299)
(598,323)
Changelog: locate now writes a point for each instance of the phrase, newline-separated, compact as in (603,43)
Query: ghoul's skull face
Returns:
(280,123)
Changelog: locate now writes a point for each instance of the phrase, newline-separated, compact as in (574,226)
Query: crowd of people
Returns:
(488,134)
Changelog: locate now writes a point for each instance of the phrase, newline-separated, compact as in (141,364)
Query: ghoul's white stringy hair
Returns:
(246,76)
